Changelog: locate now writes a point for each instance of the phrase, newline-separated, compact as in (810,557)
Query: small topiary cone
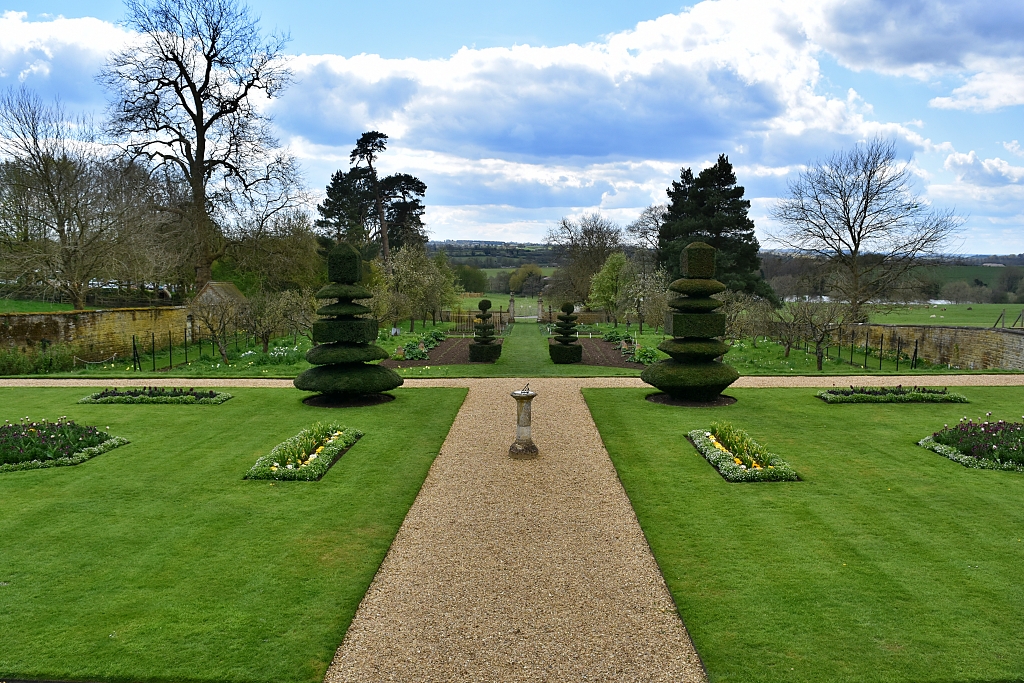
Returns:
(483,349)
(344,342)
(692,373)
(566,350)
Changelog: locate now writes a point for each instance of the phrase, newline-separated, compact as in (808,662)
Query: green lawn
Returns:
(887,562)
(158,562)
(19,306)
(957,315)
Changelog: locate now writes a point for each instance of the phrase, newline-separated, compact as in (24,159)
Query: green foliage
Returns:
(737,457)
(608,285)
(710,208)
(644,354)
(306,456)
(484,353)
(471,278)
(38,360)
(526,279)
(690,381)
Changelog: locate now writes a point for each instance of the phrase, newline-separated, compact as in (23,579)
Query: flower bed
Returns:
(33,445)
(737,457)
(897,394)
(306,456)
(157,395)
(995,445)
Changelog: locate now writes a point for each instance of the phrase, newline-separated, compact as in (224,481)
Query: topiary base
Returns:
(563,354)
(484,353)
(690,382)
(346,400)
(350,379)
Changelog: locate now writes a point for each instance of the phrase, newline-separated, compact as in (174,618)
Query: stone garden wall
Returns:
(96,335)
(971,348)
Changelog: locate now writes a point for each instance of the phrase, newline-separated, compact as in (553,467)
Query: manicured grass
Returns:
(19,306)
(956,315)
(887,562)
(158,562)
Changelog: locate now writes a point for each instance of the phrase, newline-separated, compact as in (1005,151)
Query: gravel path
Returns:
(511,570)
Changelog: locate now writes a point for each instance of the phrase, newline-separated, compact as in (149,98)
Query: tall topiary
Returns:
(483,349)
(344,342)
(567,349)
(692,373)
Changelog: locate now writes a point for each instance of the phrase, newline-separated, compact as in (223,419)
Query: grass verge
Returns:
(885,563)
(158,562)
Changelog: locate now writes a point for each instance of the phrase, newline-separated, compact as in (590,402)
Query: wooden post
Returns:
(853,344)
(899,342)
(170,351)
(184,340)
(881,350)
(913,361)
(867,346)
(153,349)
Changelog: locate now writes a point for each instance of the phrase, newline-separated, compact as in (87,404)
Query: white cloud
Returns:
(985,172)
(1014,148)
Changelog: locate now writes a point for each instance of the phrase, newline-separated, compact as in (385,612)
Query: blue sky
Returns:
(516,114)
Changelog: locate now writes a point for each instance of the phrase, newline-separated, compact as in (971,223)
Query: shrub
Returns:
(897,394)
(984,444)
(32,445)
(615,336)
(564,354)
(158,395)
(53,358)
(737,457)
(306,456)
(645,355)
(414,352)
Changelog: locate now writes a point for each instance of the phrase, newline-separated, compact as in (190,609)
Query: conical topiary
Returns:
(566,350)
(484,349)
(692,373)
(345,342)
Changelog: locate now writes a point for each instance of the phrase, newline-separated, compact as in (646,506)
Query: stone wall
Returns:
(971,348)
(96,335)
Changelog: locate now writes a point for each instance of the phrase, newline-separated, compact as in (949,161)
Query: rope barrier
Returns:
(93,362)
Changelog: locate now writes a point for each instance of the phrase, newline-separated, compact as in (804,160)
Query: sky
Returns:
(516,114)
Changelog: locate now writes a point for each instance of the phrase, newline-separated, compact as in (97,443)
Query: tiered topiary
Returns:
(567,350)
(693,374)
(484,349)
(345,341)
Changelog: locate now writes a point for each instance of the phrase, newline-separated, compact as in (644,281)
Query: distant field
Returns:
(990,276)
(491,272)
(967,315)
(18,306)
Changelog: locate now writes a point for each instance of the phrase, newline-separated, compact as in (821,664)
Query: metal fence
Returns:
(465,321)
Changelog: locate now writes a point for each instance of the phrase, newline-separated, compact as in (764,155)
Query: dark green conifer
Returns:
(567,348)
(483,349)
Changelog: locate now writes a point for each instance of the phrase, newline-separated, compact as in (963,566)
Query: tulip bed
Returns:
(29,445)
(306,456)
(737,457)
(157,395)
(985,444)
(897,394)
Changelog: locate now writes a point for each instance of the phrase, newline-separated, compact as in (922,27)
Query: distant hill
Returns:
(490,254)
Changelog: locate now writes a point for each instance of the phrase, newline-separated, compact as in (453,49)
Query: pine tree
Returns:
(710,208)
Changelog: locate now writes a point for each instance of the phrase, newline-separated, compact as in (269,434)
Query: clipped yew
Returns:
(484,348)
(692,373)
(567,348)
(344,342)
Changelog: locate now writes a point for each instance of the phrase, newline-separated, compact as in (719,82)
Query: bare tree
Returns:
(61,201)
(298,309)
(216,311)
(583,246)
(643,232)
(856,210)
(183,98)
(819,322)
(263,314)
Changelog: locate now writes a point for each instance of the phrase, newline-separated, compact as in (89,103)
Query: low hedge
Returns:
(75,458)
(955,455)
(158,395)
(737,457)
(896,394)
(562,354)
(307,456)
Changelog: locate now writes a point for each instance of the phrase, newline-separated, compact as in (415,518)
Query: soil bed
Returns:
(607,354)
(452,351)
(667,400)
(328,401)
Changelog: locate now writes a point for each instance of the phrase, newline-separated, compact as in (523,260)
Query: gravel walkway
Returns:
(511,570)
